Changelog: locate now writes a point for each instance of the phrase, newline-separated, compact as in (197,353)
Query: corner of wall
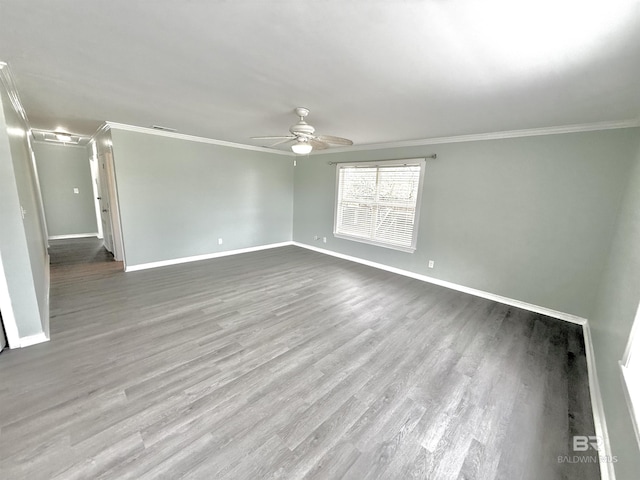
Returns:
(612,318)
(23,239)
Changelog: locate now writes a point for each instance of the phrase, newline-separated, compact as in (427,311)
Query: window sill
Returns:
(372,242)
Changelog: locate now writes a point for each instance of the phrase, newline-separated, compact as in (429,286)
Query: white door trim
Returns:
(607,471)
(114,208)
(8,317)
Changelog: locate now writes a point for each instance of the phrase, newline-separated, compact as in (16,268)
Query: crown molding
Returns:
(192,138)
(529,132)
(101,129)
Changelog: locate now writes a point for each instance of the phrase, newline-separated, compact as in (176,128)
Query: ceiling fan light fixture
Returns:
(301,148)
(304,137)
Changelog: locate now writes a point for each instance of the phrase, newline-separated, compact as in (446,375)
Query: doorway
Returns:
(105,204)
(105,189)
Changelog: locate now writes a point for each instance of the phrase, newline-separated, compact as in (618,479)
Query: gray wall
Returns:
(611,322)
(22,241)
(178,197)
(61,168)
(526,218)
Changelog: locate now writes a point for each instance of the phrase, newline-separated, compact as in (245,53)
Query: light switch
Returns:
(76,190)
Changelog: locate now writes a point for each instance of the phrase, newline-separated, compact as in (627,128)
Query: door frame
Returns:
(114,207)
(101,149)
(94,167)
(107,188)
(105,205)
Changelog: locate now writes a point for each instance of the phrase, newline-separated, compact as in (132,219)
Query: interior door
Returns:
(113,211)
(105,207)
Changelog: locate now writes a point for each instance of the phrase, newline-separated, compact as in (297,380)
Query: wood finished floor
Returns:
(286,364)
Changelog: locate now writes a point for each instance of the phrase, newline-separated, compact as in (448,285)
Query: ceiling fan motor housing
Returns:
(302,128)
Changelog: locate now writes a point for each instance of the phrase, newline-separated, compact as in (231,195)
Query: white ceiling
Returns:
(370,70)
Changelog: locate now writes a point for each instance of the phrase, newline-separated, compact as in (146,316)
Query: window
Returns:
(378,203)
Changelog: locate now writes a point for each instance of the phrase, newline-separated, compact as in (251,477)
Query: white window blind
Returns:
(378,203)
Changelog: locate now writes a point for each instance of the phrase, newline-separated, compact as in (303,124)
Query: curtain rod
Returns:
(376,161)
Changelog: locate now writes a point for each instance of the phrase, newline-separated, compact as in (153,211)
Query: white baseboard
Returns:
(73,235)
(461,288)
(33,340)
(208,256)
(607,471)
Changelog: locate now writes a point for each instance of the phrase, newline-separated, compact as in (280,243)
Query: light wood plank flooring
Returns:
(286,364)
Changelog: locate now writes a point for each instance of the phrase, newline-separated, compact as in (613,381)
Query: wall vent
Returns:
(58,137)
(164,129)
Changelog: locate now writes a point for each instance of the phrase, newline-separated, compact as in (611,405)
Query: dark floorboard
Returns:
(286,363)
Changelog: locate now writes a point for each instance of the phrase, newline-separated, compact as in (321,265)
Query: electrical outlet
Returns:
(316,237)
(324,239)
(219,241)
(295,163)
(431,263)
(76,190)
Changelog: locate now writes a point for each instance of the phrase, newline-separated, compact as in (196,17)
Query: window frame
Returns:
(421,162)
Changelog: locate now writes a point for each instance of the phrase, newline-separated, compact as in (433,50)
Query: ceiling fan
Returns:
(304,135)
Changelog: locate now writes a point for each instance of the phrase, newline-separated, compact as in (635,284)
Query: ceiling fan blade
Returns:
(334,140)
(317,144)
(284,140)
(279,137)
